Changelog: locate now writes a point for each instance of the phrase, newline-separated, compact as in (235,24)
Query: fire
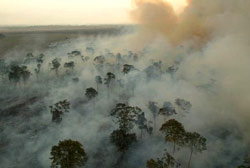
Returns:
(178,5)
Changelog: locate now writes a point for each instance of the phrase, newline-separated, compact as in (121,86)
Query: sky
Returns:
(69,12)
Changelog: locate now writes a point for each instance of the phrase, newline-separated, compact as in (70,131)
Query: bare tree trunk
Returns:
(189,162)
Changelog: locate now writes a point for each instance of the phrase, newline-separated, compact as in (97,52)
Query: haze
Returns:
(73,12)
(45,12)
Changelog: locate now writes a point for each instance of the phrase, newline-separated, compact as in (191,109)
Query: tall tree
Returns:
(68,154)
(174,132)
(152,106)
(55,65)
(69,65)
(91,93)
(195,142)
(127,68)
(109,79)
(98,80)
(142,122)
(166,161)
(58,109)
(122,139)
(183,104)
(125,116)
(99,59)
(167,109)
(18,73)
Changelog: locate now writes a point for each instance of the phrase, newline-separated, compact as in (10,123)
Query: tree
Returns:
(37,69)
(55,65)
(127,68)
(152,106)
(118,57)
(69,65)
(122,140)
(40,58)
(98,80)
(166,161)
(99,59)
(125,116)
(17,73)
(195,142)
(68,154)
(167,109)
(183,104)
(39,61)
(91,93)
(142,122)
(58,109)
(174,132)
(29,58)
(109,79)
(172,70)
(74,53)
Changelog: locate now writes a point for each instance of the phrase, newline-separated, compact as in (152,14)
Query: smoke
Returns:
(218,32)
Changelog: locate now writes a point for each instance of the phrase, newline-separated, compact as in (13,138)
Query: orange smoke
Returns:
(160,17)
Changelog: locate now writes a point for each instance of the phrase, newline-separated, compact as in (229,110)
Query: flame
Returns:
(178,5)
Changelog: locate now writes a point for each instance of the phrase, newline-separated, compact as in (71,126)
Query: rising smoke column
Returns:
(219,32)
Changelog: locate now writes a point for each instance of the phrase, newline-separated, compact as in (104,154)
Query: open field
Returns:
(41,36)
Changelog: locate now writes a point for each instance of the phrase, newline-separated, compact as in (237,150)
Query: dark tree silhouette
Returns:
(91,93)
(118,57)
(172,70)
(166,161)
(167,109)
(40,58)
(142,122)
(195,142)
(152,106)
(69,65)
(98,80)
(68,154)
(39,61)
(99,59)
(125,116)
(127,68)
(58,109)
(109,79)
(74,53)
(17,73)
(183,104)
(174,132)
(37,69)
(122,139)
(55,65)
